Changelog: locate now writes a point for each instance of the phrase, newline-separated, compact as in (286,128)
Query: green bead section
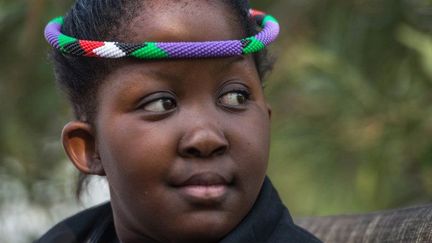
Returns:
(58,20)
(268,18)
(150,51)
(254,46)
(64,40)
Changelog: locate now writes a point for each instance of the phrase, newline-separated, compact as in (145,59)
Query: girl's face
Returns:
(183,143)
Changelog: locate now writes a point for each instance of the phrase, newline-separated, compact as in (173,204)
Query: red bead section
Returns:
(89,46)
(254,12)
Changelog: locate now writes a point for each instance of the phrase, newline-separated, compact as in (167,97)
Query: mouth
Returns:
(206,188)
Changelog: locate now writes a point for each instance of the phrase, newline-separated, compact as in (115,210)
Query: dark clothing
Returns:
(268,221)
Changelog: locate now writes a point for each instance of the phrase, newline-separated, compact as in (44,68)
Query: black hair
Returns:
(80,78)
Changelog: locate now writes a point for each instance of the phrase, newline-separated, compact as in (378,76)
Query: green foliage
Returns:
(32,113)
(351,95)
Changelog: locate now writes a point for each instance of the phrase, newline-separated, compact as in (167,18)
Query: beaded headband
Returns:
(165,50)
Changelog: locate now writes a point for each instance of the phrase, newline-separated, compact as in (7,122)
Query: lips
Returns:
(207,187)
(205,179)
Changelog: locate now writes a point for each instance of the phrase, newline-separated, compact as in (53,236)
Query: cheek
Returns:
(135,153)
(250,144)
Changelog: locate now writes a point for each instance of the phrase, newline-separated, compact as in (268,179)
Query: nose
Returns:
(203,142)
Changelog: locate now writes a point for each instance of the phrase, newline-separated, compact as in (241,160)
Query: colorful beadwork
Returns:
(160,50)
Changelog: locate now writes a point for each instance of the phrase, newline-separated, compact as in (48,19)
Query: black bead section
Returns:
(245,42)
(74,49)
(129,48)
(259,19)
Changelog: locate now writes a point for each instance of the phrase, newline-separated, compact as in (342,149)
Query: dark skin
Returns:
(183,143)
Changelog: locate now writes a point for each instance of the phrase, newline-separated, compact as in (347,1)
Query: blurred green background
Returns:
(351,95)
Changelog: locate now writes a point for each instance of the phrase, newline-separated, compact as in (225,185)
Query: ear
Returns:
(269,110)
(79,143)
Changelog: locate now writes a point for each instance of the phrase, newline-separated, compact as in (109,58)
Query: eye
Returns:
(160,105)
(234,98)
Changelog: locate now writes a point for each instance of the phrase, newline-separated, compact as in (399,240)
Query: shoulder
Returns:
(80,226)
(288,231)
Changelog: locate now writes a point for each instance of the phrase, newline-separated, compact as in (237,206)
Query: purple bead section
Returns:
(202,49)
(52,31)
(269,33)
(188,49)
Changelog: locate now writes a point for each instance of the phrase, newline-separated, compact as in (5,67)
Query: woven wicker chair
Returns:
(399,225)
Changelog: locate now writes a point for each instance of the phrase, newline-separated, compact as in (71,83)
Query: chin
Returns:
(205,227)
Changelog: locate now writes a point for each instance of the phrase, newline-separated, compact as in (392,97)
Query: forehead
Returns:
(176,21)
(184,20)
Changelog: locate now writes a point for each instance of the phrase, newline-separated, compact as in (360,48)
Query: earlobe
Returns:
(80,145)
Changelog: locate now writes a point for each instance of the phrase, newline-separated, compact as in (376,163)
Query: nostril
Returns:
(220,151)
(193,152)
(203,143)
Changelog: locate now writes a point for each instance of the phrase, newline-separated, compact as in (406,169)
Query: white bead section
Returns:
(109,50)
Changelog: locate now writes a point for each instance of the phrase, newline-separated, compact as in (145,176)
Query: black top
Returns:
(268,221)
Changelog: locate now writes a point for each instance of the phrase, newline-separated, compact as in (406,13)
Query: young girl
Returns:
(178,124)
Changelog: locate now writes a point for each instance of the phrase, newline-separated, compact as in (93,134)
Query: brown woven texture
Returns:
(399,225)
